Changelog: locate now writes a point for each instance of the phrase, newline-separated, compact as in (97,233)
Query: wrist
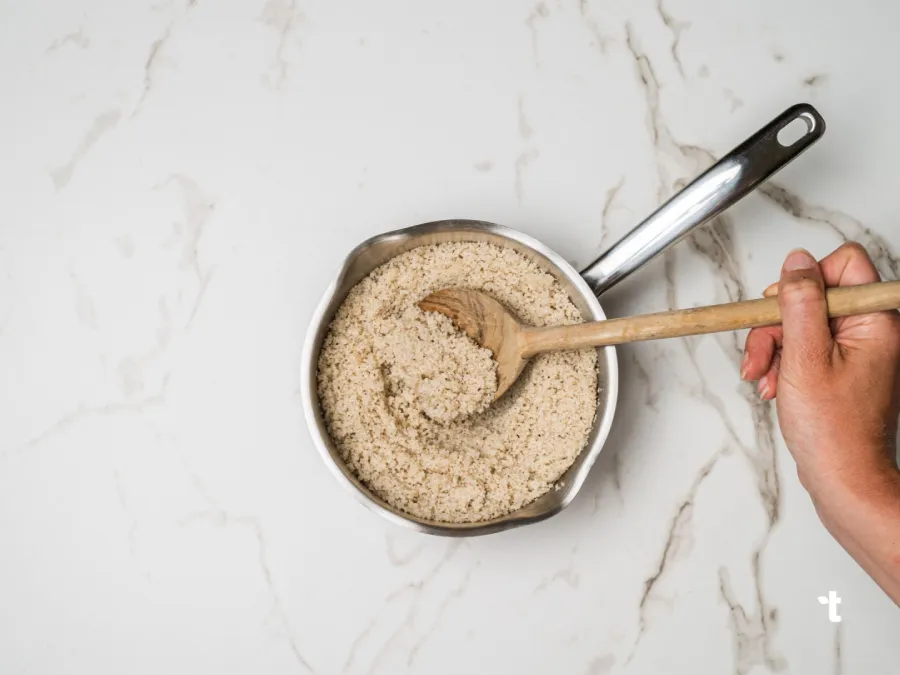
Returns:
(840,495)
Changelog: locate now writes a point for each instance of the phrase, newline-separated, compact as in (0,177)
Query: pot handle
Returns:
(728,181)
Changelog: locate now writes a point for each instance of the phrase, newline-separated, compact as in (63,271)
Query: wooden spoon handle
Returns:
(842,301)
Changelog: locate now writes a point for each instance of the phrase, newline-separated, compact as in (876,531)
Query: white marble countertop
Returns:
(180,181)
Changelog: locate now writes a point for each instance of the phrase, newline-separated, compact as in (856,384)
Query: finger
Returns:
(768,383)
(835,324)
(849,265)
(772,291)
(807,337)
(759,350)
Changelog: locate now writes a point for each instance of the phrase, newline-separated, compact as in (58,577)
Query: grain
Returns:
(405,396)
(431,367)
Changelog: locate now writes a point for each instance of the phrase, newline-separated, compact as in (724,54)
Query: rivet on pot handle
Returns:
(725,183)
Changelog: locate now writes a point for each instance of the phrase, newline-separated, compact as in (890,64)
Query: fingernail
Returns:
(745,366)
(798,259)
(763,387)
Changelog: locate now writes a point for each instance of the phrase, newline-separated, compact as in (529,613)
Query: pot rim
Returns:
(567,488)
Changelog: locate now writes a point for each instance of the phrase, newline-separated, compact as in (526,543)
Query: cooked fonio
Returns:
(407,398)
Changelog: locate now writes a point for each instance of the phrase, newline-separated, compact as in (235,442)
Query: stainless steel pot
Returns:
(730,179)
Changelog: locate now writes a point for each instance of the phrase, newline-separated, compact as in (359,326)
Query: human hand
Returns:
(837,383)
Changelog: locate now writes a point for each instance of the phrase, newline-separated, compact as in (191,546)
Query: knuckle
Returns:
(802,289)
(754,337)
(855,248)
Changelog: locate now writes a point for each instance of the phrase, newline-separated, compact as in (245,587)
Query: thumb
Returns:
(804,312)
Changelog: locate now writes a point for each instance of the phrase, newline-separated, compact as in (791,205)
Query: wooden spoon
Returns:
(490,325)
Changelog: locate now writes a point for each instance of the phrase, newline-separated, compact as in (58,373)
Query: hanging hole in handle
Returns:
(796,129)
